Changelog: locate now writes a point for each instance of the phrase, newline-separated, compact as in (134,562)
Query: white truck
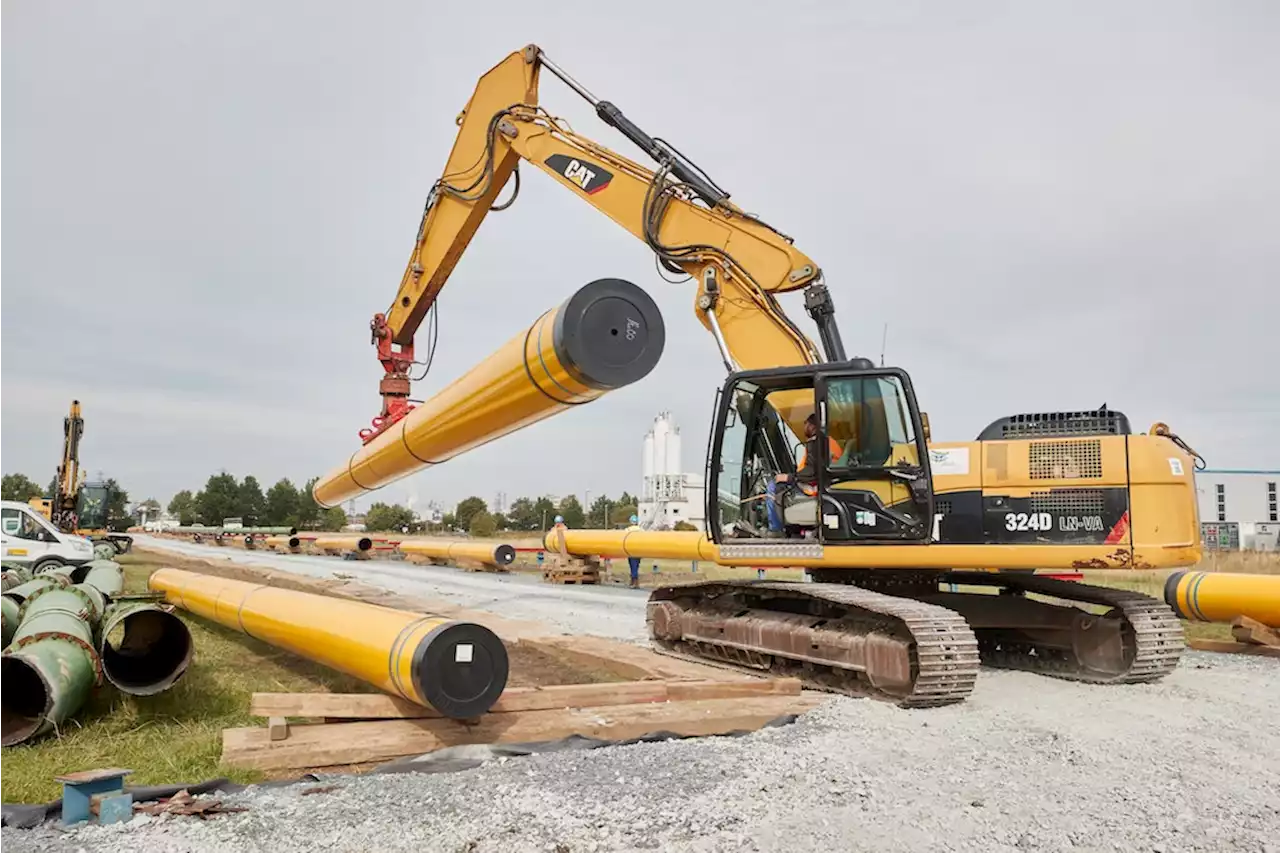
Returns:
(29,539)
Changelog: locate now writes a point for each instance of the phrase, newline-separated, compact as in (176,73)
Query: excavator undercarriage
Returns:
(917,638)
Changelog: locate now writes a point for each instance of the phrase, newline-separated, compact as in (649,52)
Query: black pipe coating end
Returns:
(609,334)
(461,669)
(1171,591)
(504,555)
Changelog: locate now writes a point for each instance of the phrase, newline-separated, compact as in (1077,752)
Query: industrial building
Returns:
(668,494)
(1238,509)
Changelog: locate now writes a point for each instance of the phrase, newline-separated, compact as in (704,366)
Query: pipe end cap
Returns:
(461,669)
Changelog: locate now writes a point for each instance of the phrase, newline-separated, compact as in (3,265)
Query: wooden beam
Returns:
(1247,630)
(332,744)
(376,706)
(1234,647)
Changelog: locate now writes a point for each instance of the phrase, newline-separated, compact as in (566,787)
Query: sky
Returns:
(1051,206)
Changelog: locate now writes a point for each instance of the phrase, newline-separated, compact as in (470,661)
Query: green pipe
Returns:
(51,665)
(10,619)
(23,591)
(105,575)
(144,648)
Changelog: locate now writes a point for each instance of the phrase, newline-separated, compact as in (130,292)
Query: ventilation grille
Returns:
(1069,501)
(942,506)
(1057,425)
(1066,460)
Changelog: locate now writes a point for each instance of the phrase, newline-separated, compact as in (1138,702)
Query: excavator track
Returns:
(1138,640)
(833,637)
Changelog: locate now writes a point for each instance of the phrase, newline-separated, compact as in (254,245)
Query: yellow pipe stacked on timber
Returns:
(290,542)
(466,551)
(606,336)
(458,668)
(1222,596)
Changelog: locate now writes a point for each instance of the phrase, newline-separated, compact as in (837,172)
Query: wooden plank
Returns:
(375,706)
(681,691)
(1247,630)
(1230,646)
(629,660)
(334,744)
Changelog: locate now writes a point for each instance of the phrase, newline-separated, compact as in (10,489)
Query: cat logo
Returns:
(587,177)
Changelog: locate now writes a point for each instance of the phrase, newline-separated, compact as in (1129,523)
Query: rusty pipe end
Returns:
(144,649)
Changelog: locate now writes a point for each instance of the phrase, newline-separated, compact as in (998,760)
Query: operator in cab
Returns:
(806,475)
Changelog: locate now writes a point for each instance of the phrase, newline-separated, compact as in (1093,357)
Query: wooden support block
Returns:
(376,706)
(1232,647)
(334,744)
(1247,630)
(278,728)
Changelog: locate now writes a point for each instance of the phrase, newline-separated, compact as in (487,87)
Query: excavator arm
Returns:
(738,262)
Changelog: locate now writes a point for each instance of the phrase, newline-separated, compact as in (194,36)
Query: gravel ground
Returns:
(1027,764)
(603,611)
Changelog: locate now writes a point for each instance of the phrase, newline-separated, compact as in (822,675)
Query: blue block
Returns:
(79,789)
(115,809)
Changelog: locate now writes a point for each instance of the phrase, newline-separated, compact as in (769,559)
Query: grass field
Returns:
(175,737)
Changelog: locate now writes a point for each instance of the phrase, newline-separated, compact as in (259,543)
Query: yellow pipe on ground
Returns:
(458,668)
(342,543)
(290,542)
(1222,596)
(767,553)
(606,336)
(466,551)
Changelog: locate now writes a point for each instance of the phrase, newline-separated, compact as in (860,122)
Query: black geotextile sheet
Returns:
(448,760)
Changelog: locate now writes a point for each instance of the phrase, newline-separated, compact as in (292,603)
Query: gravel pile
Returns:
(1027,764)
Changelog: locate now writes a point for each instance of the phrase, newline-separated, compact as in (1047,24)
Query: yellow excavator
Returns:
(920,555)
(76,506)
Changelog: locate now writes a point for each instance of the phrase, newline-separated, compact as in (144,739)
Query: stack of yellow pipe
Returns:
(1222,596)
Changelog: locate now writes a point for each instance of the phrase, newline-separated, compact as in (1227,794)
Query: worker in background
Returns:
(634,561)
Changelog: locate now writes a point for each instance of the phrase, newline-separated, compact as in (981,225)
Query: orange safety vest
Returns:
(833,449)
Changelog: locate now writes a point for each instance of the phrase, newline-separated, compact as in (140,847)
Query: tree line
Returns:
(525,514)
(282,505)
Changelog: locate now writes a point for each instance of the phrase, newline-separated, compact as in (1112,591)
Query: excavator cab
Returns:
(828,454)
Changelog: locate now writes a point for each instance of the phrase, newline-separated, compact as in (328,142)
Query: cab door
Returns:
(878,487)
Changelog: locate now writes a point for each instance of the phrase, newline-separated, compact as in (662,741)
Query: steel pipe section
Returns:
(343,543)
(458,668)
(606,336)
(619,544)
(462,551)
(144,649)
(1222,596)
(289,542)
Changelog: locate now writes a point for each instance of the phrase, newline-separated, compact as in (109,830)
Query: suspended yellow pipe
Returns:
(691,545)
(462,551)
(1222,596)
(606,336)
(458,668)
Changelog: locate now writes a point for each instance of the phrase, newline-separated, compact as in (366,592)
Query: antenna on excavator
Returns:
(884,336)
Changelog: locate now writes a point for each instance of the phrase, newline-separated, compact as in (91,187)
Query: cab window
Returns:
(868,418)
